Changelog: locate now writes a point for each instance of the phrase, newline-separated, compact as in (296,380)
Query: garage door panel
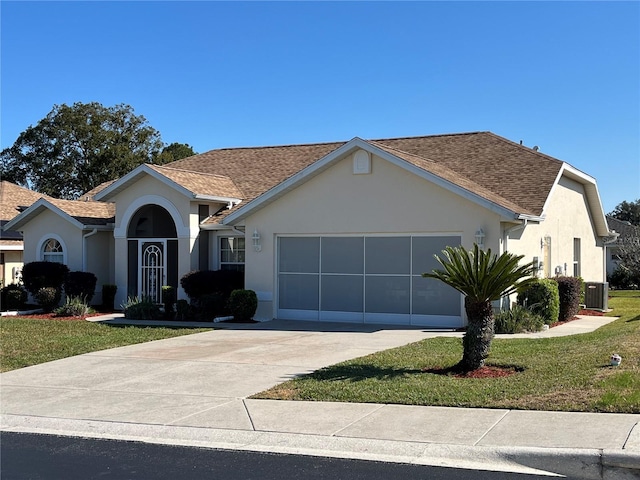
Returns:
(388,255)
(432,297)
(424,248)
(343,255)
(342,293)
(299,254)
(388,295)
(298,292)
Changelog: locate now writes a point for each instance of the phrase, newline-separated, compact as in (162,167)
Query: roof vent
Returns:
(536,148)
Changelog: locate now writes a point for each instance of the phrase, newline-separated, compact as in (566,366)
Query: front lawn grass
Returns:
(25,342)
(567,373)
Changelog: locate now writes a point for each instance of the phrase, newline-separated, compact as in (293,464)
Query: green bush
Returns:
(73,307)
(13,297)
(37,275)
(136,308)
(108,296)
(183,310)
(542,298)
(211,305)
(622,279)
(48,298)
(168,299)
(203,282)
(80,284)
(569,289)
(243,304)
(518,320)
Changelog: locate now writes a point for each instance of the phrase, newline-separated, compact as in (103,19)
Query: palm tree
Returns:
(482,278)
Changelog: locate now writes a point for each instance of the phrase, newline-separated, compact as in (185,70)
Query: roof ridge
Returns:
(415,137)
(528,149)
(267,147)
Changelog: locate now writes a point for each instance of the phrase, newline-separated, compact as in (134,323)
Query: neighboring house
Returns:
(13,199)
(624,230)
(333,231)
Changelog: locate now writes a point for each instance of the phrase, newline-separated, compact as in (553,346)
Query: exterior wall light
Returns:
(256,241)
(480,238)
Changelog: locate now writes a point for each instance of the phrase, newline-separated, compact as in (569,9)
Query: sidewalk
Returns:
(178,391)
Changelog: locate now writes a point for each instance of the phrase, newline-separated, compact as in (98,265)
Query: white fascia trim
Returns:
(34,210)
(591,192)
(531,218)
(340,152)
(11,248)
(215,227)
(230,201)
(133,175)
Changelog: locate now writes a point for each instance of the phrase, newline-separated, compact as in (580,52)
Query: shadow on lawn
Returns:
(357,373)
(634,319)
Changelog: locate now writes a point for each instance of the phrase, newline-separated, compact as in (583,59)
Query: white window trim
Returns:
(45,239)
(219,246)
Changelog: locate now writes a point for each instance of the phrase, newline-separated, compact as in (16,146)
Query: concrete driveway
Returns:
(194,380)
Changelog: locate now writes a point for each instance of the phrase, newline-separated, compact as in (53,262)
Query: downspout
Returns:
(84,248)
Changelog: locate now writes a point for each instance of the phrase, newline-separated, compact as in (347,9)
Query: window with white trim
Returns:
(576,257)
(232,253)
(52,251)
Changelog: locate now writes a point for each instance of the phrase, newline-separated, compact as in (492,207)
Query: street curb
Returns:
(587,464)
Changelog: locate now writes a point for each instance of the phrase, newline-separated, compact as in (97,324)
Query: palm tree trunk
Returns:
(477,339)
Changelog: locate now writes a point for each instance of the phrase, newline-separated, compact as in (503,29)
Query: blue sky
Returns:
(563,76)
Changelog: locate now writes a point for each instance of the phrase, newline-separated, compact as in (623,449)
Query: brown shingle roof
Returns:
(201,183)
(13,198)
(87,212)
(511,175)
(94,191)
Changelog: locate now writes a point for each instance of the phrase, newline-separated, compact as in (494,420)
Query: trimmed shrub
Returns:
(518,320)
(37,275)
(569,289)
(108,296)
(13,297)
(168,299)
(48,298)
(136,308)
(80,284)
(203,282)
(542,298)
(183,310)
(73,307)
(243,304)
(211,305)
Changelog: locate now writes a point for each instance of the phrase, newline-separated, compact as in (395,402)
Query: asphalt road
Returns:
(28,456)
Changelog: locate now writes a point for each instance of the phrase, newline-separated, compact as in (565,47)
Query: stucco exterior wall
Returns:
(100,261)
(389,200)
(12,260)
(567,217)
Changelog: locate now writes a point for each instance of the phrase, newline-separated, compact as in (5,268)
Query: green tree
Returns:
(75,148)
(175,151)
(627,212)
(482,278)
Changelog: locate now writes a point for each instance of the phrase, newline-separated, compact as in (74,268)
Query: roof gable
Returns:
(81,214)
(190,183)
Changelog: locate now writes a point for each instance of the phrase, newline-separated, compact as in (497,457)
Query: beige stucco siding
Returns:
(566,217)
(389,200)
(12,260)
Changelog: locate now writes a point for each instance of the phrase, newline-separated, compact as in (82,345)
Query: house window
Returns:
(576,257)
(52,251)
(232,253)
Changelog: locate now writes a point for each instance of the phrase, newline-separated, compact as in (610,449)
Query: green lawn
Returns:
(567,373)
(25,342)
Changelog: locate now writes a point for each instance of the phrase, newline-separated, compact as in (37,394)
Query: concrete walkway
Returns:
(193,390)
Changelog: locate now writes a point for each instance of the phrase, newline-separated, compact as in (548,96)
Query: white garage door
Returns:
(372,279)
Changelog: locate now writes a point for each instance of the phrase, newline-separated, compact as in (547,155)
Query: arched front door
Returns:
(153,253)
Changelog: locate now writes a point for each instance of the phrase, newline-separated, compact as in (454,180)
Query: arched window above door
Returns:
(151,221)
